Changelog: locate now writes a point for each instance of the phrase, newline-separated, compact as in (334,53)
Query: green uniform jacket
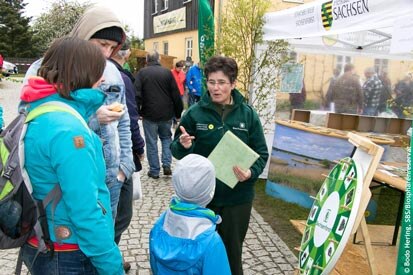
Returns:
(207,125)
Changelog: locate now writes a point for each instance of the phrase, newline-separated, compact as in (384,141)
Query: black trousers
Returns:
(125,209)
(233,229)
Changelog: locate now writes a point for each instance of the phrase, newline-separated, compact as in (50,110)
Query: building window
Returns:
(341,61)
(188,47)
(155,46)
(293,57)
(154,6)
(165,48)
(381,65)
(165,5)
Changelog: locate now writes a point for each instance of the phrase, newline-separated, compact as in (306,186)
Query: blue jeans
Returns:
(192,99)
(152,130)
(114,189)
(62,263)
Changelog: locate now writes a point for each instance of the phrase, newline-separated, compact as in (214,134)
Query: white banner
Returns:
(328,17)
(402,41)
(170,21)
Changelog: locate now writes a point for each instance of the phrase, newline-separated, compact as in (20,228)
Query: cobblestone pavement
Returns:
(264,252)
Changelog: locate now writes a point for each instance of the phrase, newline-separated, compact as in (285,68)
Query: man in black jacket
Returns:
(159,102)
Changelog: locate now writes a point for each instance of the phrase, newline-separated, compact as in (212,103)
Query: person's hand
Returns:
(121,176)
(185,139)
(106,116)
(241,174)
(141,157)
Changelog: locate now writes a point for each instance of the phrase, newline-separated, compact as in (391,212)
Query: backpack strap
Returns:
(55,106)
(10,138)
(55,194)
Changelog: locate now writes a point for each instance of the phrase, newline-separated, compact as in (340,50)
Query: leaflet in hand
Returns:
(230,152)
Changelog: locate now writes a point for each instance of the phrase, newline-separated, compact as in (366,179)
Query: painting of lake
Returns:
(299,159)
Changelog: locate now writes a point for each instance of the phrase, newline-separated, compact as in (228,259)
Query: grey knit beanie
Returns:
(194,180)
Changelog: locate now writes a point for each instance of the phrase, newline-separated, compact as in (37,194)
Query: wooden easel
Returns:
(367,155)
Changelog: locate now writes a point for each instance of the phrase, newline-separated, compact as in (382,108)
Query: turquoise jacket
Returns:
(1,117)
(59,149)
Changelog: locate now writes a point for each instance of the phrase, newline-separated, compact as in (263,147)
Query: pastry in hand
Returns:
(116,107)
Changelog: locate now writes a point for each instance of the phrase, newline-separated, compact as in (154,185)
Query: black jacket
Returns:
(157,95)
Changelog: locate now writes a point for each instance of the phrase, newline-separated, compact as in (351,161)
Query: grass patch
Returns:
(387,205)
(278,213)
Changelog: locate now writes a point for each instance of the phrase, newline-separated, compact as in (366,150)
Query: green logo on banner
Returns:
(404,257)
(327,14)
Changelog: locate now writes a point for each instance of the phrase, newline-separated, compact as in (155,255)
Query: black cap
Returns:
(111,33)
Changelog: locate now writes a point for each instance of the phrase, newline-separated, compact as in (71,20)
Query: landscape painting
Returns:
(299,161)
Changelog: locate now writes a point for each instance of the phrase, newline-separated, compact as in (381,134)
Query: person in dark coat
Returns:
(404,96)
(346,93)
(297,99)
(125,206)
(159,102)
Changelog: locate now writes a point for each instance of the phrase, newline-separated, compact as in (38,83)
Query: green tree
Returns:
(137,43)
(16,38)
(58,21)
(240,36)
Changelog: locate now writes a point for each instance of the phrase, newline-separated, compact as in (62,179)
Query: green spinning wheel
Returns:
(331,219)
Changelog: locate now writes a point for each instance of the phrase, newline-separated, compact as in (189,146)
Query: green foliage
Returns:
(241,37)
(16,38)
(312,104)
(326,163)
(58,21)
(136,42)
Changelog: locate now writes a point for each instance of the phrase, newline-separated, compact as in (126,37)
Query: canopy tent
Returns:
(353,27)
(339,27)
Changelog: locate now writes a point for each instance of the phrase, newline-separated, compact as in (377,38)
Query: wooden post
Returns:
(367,155)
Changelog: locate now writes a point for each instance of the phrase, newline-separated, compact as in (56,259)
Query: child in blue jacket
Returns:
(184,240)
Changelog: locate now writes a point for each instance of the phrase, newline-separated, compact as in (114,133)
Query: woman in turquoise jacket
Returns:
(61,149)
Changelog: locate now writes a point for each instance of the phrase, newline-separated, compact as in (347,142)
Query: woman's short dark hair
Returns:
(180,64)
(221,63)
(72,63)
